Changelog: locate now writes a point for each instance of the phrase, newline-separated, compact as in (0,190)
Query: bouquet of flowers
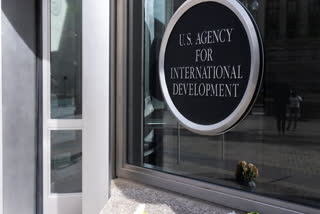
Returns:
(246,172)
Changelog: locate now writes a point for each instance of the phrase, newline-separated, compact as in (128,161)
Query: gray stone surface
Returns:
(19,106)
(128,197)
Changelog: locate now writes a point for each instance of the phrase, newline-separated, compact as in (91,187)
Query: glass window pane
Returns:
(65,59)
(280,135)
(66,161)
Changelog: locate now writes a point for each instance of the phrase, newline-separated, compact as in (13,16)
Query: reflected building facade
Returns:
(284,146)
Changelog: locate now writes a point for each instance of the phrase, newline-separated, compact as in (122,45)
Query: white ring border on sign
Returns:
(235,116)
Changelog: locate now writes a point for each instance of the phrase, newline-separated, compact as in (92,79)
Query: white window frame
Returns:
(68,202)
(95,113)
(1,157)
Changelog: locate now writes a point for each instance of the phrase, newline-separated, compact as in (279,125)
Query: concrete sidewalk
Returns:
(128,197)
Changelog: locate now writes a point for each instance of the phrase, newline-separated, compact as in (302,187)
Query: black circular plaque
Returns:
(210,64)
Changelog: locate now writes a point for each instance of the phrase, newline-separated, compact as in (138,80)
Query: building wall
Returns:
(19,106)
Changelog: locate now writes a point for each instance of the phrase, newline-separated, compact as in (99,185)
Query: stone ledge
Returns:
(128,197)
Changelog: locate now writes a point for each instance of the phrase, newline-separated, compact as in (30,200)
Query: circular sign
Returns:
(210,65)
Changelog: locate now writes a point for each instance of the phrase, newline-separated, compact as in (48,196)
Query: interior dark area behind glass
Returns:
(281,133)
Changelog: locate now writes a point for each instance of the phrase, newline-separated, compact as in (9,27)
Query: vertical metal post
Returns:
(222,147)
(179,144)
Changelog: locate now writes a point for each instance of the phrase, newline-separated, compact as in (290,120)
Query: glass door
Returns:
(62,106)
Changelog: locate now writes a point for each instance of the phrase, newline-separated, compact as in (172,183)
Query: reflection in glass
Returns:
(65,58)
(66,161)
(280,135)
